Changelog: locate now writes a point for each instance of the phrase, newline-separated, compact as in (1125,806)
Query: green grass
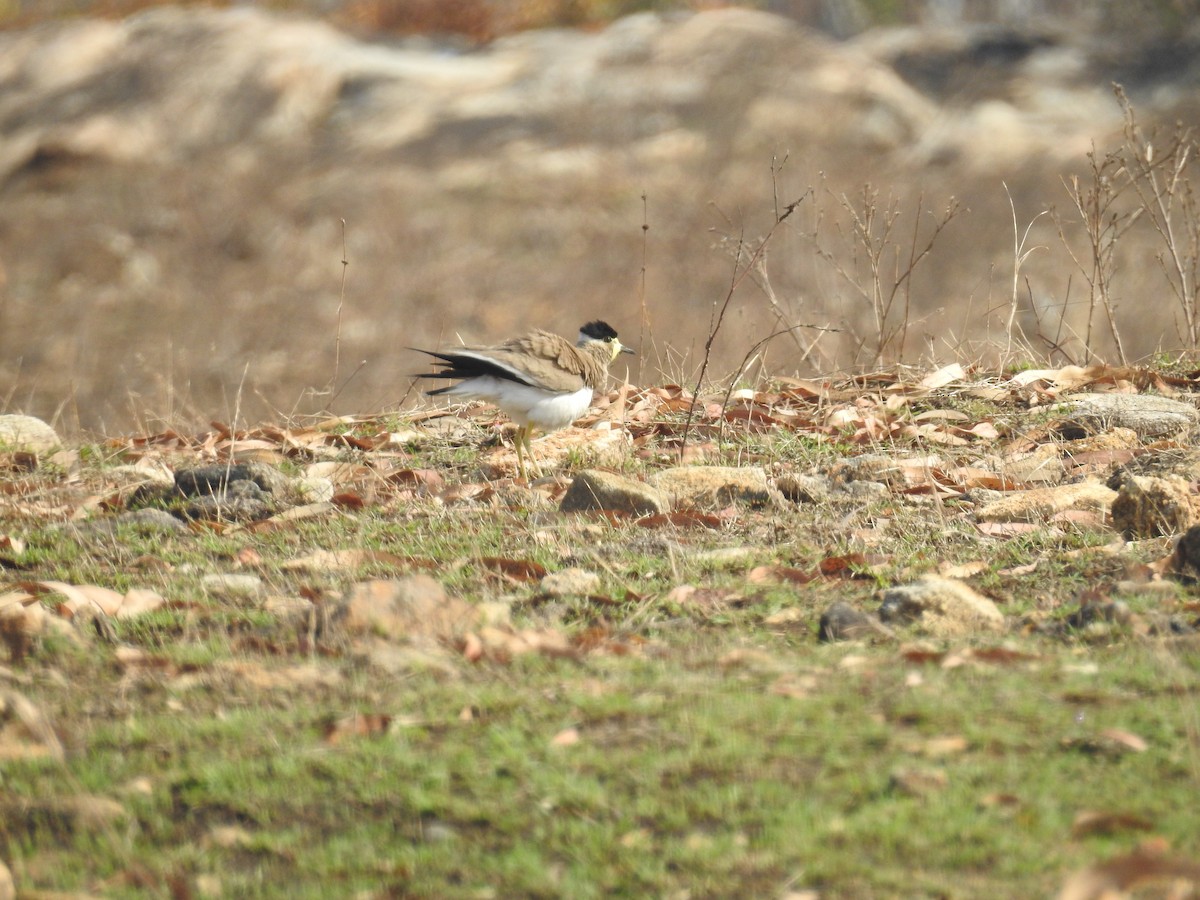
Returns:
(686,776)
(715,755)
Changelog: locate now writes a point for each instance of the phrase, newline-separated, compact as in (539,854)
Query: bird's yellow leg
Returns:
(527,433)
(518,441)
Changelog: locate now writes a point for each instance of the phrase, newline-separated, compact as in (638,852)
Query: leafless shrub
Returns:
(1160,175)
(1143,183)
(881,261)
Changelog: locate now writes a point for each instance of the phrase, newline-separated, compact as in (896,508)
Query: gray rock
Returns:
(944,607)
(570,582)
(234,586)
(800,488)
(594,489)
(27,433)
(1149,415)
(240,501)
(716,487)
(843,622)
(145,520)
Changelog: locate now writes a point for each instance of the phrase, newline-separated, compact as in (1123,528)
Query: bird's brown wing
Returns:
(551,361)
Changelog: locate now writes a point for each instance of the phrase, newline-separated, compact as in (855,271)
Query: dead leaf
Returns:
(341,560)
(947,745)
(918,782)
(922,655)
(77,597)
(10,545)
(429,479)
(681,519)
(1000,655)
(999,801)
(357,725)
(963,570)
(514,569)
(852,565)
(138,601)
(1092,822)
(1126,739)
(25,732)
(776,574)
(1110,742)
(943,376)
(1007,529)
(1112,878)
(568,737)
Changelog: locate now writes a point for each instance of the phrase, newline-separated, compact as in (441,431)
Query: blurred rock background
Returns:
(174,182)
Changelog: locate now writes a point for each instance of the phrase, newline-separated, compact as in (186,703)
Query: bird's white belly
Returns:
(527,405)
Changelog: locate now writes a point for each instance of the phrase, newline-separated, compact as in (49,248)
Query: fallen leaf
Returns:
(78,596)
(922,655)
(357,725)
(964,570)
(1001,655)
(943,376)
(11,545)
(776,574)
(682,519)
(1007,529)
(1126,739)
(341,560)
(138,601)
(514,569)
(944,746)
(568,737)
(999,801)
(1091,822)
(918,782)
(1114,877)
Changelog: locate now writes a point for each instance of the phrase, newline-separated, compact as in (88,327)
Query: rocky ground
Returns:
(793,642)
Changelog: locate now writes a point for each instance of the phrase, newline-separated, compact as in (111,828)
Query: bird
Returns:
(540,380)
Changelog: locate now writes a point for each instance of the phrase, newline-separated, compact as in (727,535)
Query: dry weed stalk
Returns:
(1160,176)
(1139,181)
(886,285)
(739,274)
(1105,222)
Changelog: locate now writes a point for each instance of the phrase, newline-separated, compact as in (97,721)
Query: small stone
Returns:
(1039,504)
(8,888)
(842,622)
(571,582)
(144,521)
(413,606)
(1147,506)
(918,782)
(1185,560)
(595,489)
(27,433)
(1149,415)
(312,489)
(240,501)
(716,487)
(1111,612)
(204,480)
(943,607)
(233,586)
(804,488)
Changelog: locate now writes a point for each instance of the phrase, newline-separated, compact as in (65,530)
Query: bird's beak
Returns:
(621,348)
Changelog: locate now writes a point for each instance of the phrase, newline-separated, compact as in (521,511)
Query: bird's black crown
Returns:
(598,331)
